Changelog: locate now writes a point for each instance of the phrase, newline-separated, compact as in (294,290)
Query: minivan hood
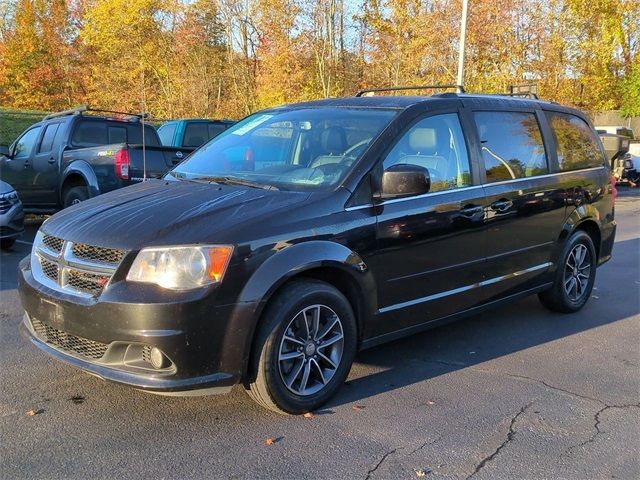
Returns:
(160,212)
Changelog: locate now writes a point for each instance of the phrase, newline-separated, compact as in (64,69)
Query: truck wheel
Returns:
(7,243)
(574,277)
(304,348)
(75,195)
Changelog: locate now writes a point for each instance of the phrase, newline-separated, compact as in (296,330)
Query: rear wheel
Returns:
(304,349)
(575,276)
(75,195)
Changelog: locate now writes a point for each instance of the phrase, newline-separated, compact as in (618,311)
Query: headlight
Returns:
(12,197)
(181,268)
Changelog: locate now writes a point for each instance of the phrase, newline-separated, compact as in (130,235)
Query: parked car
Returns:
(191,133)
(71,156)
(374,218)
(11,216)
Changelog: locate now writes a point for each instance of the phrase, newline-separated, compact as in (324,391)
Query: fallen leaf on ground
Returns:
(32,413)
(308,415)
(431,402)
(269,441)
(358,407)
(423,471)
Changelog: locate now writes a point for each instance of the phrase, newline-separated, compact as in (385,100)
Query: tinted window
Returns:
(24,145)
(576,144)
(216,129)
(512,145)
(437,144)
(195,134)
(134,134)
(92,133)
(46,145)
(166,132)
(116,135)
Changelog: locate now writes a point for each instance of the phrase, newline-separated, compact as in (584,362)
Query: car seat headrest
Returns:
(423,140)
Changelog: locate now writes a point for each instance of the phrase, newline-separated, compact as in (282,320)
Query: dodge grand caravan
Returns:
(307,232)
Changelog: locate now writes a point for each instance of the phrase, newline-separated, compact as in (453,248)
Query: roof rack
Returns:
(84,108)
(528,91)
(360,93)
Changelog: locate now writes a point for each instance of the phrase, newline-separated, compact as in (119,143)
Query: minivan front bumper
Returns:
(107,337)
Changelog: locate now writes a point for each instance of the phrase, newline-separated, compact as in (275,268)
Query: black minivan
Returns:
(307,232)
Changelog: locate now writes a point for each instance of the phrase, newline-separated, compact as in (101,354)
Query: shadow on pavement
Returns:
(487,336)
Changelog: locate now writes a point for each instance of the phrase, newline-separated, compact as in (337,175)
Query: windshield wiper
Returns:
(234,181)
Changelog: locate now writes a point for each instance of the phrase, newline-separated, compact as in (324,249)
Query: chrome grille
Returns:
(50,269)
(69,343)
(75,268)
(52,243)
(5,206)
(97,254)
(87,282)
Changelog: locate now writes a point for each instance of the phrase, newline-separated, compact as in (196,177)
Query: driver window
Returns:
(24,145)
(437,144)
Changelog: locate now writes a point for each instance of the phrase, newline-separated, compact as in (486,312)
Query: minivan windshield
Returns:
(289,149)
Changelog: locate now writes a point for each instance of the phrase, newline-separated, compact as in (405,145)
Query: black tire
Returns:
(75,195)
(7,243)
(266,384)
(557,298)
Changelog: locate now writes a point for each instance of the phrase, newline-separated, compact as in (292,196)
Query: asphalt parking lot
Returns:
(517,392)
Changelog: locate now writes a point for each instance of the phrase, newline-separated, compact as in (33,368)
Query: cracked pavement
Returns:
(516,392)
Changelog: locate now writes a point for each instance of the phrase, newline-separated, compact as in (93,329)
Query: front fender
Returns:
(286,264)
(82,168)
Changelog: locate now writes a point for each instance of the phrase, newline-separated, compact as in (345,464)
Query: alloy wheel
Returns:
(311,350)
(577,272)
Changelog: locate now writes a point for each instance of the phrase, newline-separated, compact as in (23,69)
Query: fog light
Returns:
(157,358)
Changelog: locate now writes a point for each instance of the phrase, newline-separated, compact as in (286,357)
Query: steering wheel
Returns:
(357,149)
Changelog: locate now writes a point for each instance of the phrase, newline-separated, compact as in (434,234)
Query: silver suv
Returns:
(11,216)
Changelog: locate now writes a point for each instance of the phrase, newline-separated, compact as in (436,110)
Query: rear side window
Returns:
(512,145)
(46,144)
(576,143)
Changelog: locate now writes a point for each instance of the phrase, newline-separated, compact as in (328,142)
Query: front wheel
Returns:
(575,276)
(304,349)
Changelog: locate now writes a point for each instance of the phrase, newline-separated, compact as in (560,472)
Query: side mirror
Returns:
(404,180)
(4,151)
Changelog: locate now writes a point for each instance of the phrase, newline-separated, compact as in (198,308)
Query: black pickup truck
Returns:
(74,155)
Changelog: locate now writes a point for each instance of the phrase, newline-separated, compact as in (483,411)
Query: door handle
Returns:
(501,205)
(52,160)
(474,212)
(27,164)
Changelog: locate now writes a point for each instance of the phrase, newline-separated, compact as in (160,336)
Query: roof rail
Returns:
(71,111)
(360,93)
(84,108)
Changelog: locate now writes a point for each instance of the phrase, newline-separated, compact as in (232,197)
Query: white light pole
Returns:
(463,35)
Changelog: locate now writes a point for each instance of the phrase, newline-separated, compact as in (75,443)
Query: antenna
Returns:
(142,123)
